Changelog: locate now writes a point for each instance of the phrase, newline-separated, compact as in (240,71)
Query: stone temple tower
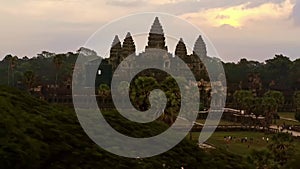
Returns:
(128,47)
(156,38)
(115,53)
(180,49)
(200,48)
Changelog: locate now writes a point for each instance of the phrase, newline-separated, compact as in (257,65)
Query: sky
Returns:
(256,29)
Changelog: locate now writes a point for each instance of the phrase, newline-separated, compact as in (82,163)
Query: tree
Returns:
(45,54)
(258,108)
(279,99)
(270,106)
(29,79)
(248,104)
(13,65)
(277,69)
(277,95)
(57,60)
(282,148)
(8,59)
(296,100)
(294,75)
(297,116)
(204,94)
(140,91)
(255,84)
(262,159)
(172,92)
(104,91)
(239,98)
(12,62)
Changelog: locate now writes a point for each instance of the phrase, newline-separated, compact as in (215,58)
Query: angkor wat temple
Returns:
(120,51)
(156,40)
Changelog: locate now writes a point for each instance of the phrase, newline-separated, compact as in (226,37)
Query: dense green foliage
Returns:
(266,105)
(48,68)
(297,104)
(35,134)
(279,153)
(297,116)
(278,73)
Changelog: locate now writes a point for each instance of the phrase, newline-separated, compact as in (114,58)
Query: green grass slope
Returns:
(35,134)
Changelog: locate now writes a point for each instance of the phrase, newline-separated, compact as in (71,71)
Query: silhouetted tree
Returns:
(296,100)
(57,60)
(12,65)
(282,148)
(29,79)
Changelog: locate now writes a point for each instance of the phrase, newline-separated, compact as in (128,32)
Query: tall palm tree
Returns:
(57,60)
(12,66)
(173,95)
(29,79)
(270,106)
(8,59)
(140,91)
(279,98)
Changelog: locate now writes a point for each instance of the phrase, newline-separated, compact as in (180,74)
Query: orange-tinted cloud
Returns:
(238,16)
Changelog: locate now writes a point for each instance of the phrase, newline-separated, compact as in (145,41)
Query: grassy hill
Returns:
(35,134)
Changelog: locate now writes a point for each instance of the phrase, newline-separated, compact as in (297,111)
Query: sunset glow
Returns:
(238,16)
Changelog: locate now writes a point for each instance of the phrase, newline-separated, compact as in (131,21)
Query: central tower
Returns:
(156,38)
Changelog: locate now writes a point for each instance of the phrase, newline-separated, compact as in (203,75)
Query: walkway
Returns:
(293,133)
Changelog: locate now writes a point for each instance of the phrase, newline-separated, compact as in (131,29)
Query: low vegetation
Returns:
(35,134)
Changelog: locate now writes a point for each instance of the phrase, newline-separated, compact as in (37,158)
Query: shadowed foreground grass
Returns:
(38,135)
(243,149)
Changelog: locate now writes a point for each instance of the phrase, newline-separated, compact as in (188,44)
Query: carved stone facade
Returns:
(156,40)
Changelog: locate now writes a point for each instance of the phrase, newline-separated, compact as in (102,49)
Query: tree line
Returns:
(277,74)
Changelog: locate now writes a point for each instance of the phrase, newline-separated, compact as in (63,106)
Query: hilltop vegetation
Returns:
(278,73)
(35,134)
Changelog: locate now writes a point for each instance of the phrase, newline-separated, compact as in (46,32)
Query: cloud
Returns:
(239,15)
(60,25)
(78,11)
(163,2)
(296,13)
(126,3)
(156,2)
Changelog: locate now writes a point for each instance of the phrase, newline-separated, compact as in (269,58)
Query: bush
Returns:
(35,135)
(297,115)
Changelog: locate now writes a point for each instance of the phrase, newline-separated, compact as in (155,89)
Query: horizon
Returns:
(75,51)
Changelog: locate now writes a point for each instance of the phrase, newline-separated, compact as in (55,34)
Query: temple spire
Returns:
(116,42)
(200,48)
(128,46)
(156,38)
(115,52)
(180,50)
(156,27)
